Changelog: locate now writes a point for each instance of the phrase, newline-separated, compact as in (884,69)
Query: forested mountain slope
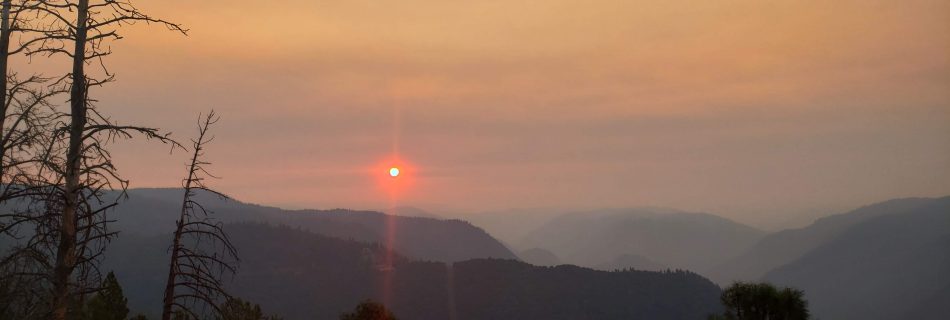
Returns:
(302,275)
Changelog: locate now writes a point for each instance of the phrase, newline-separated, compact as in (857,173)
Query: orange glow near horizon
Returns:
(397,179)
(561,104)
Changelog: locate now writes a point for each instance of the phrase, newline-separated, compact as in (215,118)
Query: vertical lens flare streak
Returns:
(395,177)
(394,187)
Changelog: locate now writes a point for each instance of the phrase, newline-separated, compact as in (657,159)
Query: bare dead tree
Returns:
(23,291)
(27,118)
(11,22)
(24,111)
(22,268)
(27,121)
(77,166)
(202,253)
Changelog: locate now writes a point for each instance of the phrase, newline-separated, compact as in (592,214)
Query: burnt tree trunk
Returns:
(201,251)
(173,271)
(5,29)
(66,251)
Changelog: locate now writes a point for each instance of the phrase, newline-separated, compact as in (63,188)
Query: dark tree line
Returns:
(109,303)
(763,301)
(369,310)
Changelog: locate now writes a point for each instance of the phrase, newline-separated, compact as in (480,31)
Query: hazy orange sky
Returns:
(762,111)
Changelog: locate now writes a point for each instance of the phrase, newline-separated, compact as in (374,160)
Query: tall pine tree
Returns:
(108,304)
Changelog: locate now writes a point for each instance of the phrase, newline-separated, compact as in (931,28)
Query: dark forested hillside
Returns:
(631,261)
(302,275)
(676,239)
(151,212)
(539,257)
(505,289)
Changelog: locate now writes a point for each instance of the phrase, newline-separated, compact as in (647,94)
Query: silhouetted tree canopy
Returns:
(237,309)
(369,310)
(108,304)
(763,301)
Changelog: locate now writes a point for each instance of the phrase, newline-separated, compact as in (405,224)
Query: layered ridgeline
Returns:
(302,275)
(892,262)
(643,238)
(313,264)
(539,257)
(783,247)
(153,212)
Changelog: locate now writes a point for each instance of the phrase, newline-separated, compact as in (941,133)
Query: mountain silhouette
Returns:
(302,275)
(539,257)
(153,212)
(631,261)
(891,266)
(667,237)
(783,247)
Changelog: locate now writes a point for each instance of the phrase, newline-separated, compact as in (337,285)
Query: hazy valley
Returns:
(883,261)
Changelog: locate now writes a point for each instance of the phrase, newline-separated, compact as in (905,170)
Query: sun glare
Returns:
(393,172)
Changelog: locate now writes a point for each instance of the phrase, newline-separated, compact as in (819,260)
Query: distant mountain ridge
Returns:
(892,263)
(302,275)
(887,260)
(407,211)
(882,261)
(153,212)
(780,248)
(539,257)
(631,261)
(667,237)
